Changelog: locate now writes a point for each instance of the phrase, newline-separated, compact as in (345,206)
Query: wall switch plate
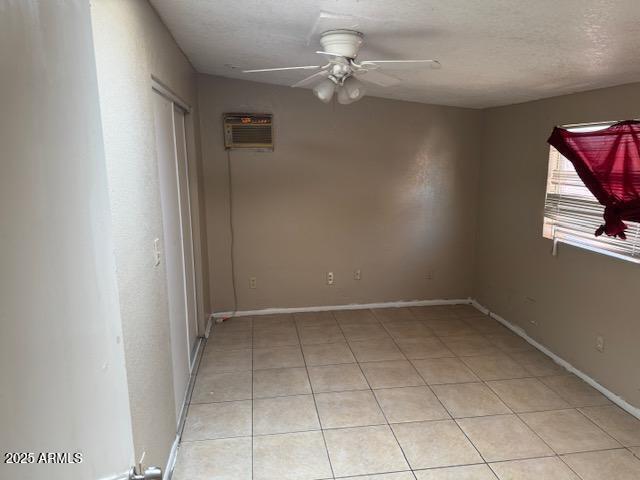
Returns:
(156,252)
(253,282)
(329,278)
(357,274)
(600,343)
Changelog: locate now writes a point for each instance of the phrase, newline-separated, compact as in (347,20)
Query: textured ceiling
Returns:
(493,52)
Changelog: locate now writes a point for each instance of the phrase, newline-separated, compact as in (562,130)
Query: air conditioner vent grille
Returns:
(248,131)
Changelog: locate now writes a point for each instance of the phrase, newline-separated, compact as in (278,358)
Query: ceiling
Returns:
(493,52)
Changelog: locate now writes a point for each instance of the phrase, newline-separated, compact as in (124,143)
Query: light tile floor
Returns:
(426,393)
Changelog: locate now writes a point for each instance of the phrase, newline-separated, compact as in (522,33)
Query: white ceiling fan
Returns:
(342,74)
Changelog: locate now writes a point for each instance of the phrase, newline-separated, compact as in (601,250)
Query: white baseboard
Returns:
(635,411)
(351,306)
(207,329)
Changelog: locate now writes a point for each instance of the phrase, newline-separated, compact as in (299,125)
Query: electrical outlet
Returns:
(429,275)
(600,343)
(357,274)
(329,278)
(253,282)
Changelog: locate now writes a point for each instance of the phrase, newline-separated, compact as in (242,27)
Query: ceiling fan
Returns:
(342,75)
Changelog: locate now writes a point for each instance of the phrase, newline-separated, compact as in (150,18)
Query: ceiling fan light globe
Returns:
(352,91)
(324,90)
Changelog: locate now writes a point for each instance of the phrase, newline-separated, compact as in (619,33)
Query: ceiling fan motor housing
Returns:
(343,43)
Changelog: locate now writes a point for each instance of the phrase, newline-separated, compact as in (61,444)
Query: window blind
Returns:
(572,214)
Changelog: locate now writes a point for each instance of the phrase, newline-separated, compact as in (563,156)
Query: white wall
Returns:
(63,386)
(384,186)
(579,294)
(132,44)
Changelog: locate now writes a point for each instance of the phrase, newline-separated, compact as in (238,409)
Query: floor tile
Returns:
(449,327)
(273,319)
(398,373)
(277,357)
(364,450)
(486,325)
(227,459)
(467,472)
(384,476)
(410,404)
(216,361)
(495,367)
(303,319)
(376,350)
(355,332)
(327,354)
(444,370)
(290,456)
(229,340)
(527,395)
(222,387)
(336,378)
(277,336)
(435,444)
(616,422)
(355,317)
(469,400)
(468,345)
(568,431)
(424,347)
(537,363)
(284,415)
(313,334)
(510,342)
(609,465)
(279,382)
(550,468)
(410,329)
(348,409)
(391,315)
(503,437)
(466,310)
(208,421)
(574,391)
(432,311)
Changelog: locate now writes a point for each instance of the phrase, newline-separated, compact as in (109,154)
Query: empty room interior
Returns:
(320,239)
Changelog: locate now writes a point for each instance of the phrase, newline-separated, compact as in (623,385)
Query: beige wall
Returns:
(62,366)
(578,294)
(384,186)
(131,45)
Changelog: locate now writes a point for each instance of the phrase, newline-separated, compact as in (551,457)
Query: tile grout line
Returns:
(434,393)
(480,380)
(315,404)
(404,455)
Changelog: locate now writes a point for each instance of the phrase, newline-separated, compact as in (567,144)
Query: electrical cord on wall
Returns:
(232,235)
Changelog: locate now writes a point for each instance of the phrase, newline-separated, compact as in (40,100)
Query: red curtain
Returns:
(608,162)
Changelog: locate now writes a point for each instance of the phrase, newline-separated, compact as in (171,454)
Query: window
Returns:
(572,214)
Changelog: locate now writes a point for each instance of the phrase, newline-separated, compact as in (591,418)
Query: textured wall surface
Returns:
(131,45)
(64,386)
(579,294)
(384,186)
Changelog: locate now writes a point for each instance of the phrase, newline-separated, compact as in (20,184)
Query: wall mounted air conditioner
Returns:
(248,130)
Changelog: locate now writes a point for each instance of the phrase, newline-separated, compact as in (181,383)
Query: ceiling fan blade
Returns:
(328,54)
(311,79)
(434,64)
(306,67)
(378,78)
